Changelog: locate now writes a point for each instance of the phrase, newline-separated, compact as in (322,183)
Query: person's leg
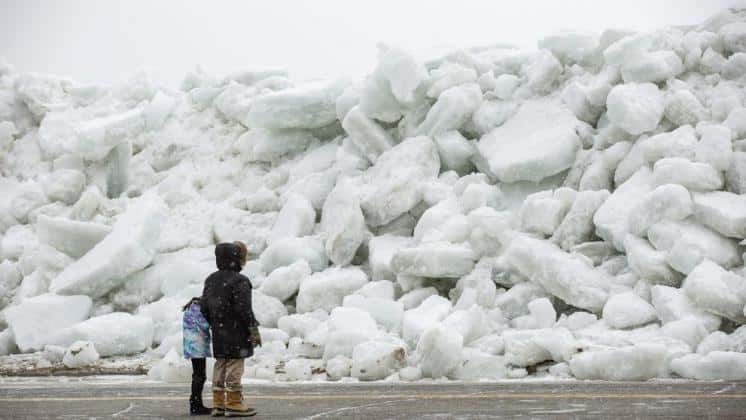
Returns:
(218,373)
(233,373)
(218,387)
(235,406)
(199,376)
(198,382)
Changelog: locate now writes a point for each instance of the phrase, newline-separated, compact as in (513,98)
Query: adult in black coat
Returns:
(226,305)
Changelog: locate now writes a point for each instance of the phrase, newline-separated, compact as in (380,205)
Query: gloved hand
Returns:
(255,337)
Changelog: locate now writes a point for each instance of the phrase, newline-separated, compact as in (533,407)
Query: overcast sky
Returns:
(108,41)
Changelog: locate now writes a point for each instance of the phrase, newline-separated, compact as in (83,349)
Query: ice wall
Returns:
(479,215)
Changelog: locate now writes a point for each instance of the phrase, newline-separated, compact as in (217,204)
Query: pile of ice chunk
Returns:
(578,210)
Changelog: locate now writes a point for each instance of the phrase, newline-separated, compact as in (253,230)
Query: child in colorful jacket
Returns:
(196,333)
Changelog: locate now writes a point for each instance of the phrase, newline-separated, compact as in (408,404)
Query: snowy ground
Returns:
(130,397)
(578,210)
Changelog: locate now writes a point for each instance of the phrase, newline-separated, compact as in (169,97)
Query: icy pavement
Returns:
(134,397)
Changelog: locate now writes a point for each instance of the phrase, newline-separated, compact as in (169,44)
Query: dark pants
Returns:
(199,376)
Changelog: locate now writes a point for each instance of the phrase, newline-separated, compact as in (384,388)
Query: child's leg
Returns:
(199,376)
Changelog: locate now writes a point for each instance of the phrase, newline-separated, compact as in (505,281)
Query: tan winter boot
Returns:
(234,406)
(218,402)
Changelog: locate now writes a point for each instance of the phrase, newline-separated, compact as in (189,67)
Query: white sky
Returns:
(108,41)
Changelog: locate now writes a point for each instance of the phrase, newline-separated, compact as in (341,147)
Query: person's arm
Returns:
(243,303)
(203,305)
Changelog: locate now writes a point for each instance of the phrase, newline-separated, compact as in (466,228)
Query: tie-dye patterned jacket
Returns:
(196,332)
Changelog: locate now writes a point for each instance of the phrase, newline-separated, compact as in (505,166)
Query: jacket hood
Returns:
(228,257)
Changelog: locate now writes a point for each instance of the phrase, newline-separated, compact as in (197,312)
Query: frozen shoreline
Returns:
(578,210)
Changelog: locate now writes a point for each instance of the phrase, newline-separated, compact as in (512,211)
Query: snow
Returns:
(387,313)
(558,273)
(577,225)
(656,66)
(578,206)
(17,241)
(541,315)
(722,211)
(635,107)
(439,351)
(434,259)
(298,370)
(454,150)
(117,333)
(683,107)
(290,250)
(299,325)
(338,367)
(569,46)
(283,282)
(449,74)
(128,248)
(681,142)
(268,309)
(611,218)
(79,354)
(308,106)
(725,365)
(36,319)
(735,122)
(392,183)
(734,37)
(688,330)
(625,47)
(735,176)
(537,142)
(344,224)
(505,85)
(530,347)
(296,219)
(543,72)
(470,323)
(380,250)
(542,214)
(403,72)
(717,291)
(649,263)
(687,243)
(692,175)
(514,302)
(666,202)
(412,299)
(369,137)
(715,341)
(64,185)
(171,369)
(72,237)
(627,310)
(672,304)
(327,289)
(430,312)
(28,197)
(375,360)
(479,365)
(268,145)
(735,66)
(632,363)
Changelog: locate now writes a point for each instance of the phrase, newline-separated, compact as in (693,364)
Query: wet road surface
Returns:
(135,398)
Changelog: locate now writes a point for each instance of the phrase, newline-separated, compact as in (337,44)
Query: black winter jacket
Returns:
(226,305)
